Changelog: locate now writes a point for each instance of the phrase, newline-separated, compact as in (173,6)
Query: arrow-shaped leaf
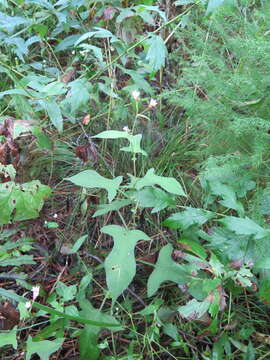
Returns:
(166,270)
(91,179)
(167,183)
(120,265)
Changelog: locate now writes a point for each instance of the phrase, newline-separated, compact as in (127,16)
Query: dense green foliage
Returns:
(134,195)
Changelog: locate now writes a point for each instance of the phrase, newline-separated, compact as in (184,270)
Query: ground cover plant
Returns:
(134,194)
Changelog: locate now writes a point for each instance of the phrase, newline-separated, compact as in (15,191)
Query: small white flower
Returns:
(152,104)
(126,129)
(136,95)
(73,52)
(28,304)
(35,291)
(55,216)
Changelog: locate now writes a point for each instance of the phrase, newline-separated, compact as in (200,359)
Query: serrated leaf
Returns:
(156,53)
(120,265)
(42,348)
(244,226)
(166,270)
(91,179)
(9,338)
(155,198)
(26,198)
(187,218)
(113,206)
(194,309)
(167,183)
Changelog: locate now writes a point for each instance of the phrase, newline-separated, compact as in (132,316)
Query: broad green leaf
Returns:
(184,2)
(134,140)
(14,92)
(112,134)
(78,244)
(96,50)
(54,113)
(167,183)
(187,218)
(113,206)
(193,247)
(67,43)
(194,309)
(13,296)
(9,23)
(67,293)
(229,196)
(79,95)
(244,226)
(155,198)
(54,88)
(18,261)
(89,335)
(42,348)
(156,53)
(91,179)
(135,145)
(213,5)
(26,198)
(9,338)
(166,270)
(120,265)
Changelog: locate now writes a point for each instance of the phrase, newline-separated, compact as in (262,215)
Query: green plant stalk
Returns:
(34,304)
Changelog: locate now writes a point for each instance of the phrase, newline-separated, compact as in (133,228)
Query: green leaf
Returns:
(155,198)
(229,196)
(167,183)
(67,293)
(9,338)
(91,179)
(166,270)
(184,2)
(112,134)
(194,309)
(213,5)
(193,247)
(42,348)
(134,140)
(79,95)
(89,335)
(120,264)
(78,244)
(67,43)
(26,198)
(187,218)
(113,206)
(14,92)
(54,113)
(244,226)
(156,53)
(21,260)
